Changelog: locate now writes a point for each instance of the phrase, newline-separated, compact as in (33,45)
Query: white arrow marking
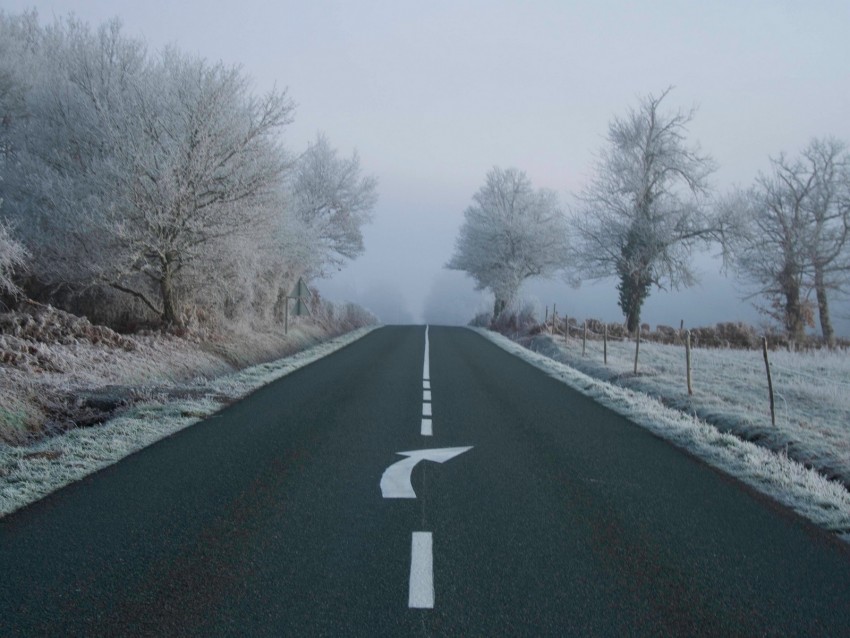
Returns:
(395,482)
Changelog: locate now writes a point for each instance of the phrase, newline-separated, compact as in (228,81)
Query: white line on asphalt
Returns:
(426,373)
(426,385)
(426,395)
(421,592)
(426,409)
(426,428)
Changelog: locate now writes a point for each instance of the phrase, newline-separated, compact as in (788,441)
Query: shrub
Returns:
(482,320)
(12,257)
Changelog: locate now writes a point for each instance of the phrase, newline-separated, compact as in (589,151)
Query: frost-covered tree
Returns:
(204,170)
(772,253)
(510,233)
(12,78)
(828,163)
(132,171)
(12,257)
(645,209)
(329,200)
(794,234)
(158,183)
(61,179)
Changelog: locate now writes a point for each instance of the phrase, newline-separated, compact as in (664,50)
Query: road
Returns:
(529,510)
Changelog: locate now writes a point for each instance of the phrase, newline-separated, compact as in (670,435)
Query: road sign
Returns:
(302,296)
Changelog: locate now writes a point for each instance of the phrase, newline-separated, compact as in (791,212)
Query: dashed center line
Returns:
(426,372)
(427,428)
(421,590)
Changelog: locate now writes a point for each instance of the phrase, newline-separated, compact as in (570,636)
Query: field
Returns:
(730,391)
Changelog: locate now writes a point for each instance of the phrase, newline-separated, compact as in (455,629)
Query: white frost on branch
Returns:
(329,202)
(510,233)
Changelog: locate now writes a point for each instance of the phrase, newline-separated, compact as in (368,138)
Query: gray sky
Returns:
(433,94)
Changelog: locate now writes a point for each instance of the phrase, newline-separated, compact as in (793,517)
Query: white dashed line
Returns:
(426,428)
(421,592)
(426,409)
(426,372)
(426,395)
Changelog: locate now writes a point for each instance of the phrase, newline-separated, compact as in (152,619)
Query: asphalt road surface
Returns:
(521,509)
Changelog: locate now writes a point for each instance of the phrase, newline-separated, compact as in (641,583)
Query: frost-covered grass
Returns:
(730,391)
(649,396)
(29,472)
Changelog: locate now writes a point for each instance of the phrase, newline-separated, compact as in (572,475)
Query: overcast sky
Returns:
(433,94)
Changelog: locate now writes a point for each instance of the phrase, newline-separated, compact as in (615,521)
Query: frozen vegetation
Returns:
(130,392)
(727,420)
(153,226)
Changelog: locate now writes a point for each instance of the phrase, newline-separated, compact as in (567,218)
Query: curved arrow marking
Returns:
(395,482)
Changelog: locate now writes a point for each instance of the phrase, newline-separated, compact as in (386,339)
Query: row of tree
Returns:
(157,183)
(649,205)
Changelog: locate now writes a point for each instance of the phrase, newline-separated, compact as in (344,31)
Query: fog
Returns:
(432,95)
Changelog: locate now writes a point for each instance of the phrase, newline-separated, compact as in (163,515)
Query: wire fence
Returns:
(609,342)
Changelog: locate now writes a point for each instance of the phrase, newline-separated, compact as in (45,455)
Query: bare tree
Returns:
(12,107)
(12,76)
(795,225)
(159,181)
(204,169)
(772,251)
(828,163)
(511,232)
(132,171)
(12,257)
(61,183)
(332,200)
(645,209)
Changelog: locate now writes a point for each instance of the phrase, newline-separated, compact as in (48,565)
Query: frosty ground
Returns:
(192,383)
(76,397)
(729,405)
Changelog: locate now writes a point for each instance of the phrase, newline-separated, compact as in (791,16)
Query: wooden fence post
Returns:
(605,345)
(584,340)
(637,348)
(769,381)
(688,359)
(554,318)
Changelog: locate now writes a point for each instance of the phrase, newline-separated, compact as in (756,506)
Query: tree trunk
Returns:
(634,290)
(794,322)
(499,306)
(170,313)
(823,310)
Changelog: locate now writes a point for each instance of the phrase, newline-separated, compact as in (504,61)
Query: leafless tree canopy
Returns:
(645,208)
(510,233)
(795,222)
(161,177)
